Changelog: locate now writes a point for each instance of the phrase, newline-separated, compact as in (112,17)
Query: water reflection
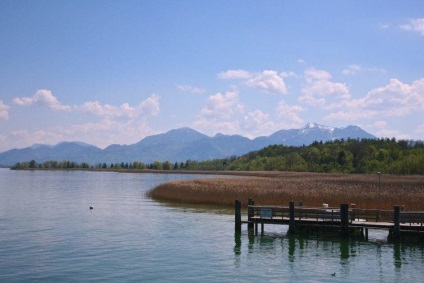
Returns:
(397,255)
(341,258)
(237,240)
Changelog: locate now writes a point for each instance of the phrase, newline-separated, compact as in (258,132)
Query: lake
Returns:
(48,233)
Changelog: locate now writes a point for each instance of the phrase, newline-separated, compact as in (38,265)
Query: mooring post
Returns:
(344,219)
(291,214)
(396,222)
(237,215)
(250,214)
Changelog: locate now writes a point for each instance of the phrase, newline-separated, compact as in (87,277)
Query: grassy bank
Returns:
(312,188)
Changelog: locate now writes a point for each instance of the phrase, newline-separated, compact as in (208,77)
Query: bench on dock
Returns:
(412,217)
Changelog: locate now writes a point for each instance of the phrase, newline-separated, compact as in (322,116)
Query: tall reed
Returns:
(312,189)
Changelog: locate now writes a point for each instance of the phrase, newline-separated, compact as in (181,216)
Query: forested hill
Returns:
(340,156)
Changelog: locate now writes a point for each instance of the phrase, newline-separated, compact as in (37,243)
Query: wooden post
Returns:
(250,214)
(344,219)
(262,228)
(291,214)
(237,215)
(396,222)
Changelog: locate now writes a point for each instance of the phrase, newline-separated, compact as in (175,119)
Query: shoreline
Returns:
(270,174)
(280,187)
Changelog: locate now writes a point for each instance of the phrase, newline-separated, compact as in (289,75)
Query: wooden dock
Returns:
(344,220)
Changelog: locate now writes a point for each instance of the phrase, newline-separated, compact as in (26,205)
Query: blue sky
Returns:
(105,72)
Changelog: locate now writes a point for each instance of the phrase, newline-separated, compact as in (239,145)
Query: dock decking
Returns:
(345,220)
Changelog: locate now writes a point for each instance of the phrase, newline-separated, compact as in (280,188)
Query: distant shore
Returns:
(154,171)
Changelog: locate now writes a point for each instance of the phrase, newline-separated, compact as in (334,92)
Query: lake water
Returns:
(48,233)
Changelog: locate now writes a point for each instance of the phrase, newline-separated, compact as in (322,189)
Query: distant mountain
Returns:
(315,132)
(72,151)
(178,145)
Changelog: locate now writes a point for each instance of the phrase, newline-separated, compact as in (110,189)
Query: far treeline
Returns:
(339,156)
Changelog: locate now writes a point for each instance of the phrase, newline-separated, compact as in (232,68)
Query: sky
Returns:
(114,72)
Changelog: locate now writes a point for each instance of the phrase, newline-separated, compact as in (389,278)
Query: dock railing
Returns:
(333,214)
(283,212)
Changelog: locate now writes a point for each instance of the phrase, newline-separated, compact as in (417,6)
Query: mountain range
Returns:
(178,145)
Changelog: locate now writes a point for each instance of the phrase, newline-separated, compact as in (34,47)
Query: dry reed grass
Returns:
(312,189)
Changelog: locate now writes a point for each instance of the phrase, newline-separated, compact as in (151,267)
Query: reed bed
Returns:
(312,189)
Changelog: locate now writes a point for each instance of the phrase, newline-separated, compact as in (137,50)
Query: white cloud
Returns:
(351,70)
(268,81)
(148,107)
(382,129)
(380,124)
(257,117)
(384,26)
(102,134)
(289,115)
(24,138)
(397,98)
(415,25)
(420,129)
(191,89)
(319,90)
(213,126)
(222,106)
(354,69)
(301,61)
(388,133)
(350,115)
(106,110)
(393,99)
(288,74)
(220,114)
(107,132)
(4,111)
(234,74)
(258,123)
(42,97)
(118,124)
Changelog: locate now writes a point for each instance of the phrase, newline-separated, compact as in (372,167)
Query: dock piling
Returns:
(237,215)
(344,219)
(396,222)
(291,215)
(250,213)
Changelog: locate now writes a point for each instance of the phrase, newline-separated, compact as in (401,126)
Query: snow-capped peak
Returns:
(312,125)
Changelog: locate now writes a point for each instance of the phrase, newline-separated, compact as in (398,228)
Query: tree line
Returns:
(388,156)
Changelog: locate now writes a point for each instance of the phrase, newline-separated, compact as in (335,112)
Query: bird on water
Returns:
(91,207)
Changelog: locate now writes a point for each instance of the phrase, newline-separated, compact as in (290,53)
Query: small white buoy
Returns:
(91,207)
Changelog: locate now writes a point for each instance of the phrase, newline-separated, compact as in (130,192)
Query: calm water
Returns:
(48,233)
